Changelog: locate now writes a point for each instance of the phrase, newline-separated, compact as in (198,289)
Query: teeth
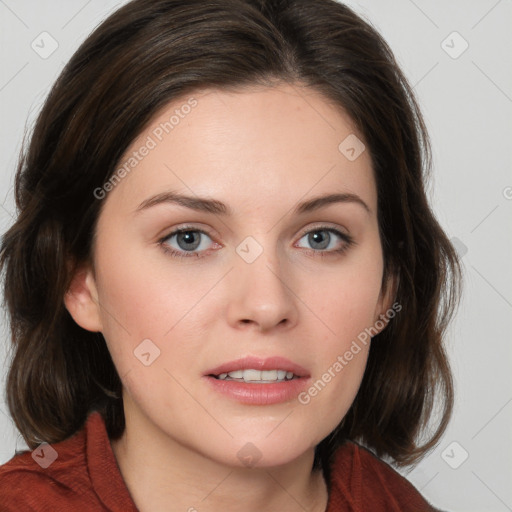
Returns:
(268,375)
(251,375)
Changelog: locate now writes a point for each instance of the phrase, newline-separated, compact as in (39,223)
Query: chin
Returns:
(273,448)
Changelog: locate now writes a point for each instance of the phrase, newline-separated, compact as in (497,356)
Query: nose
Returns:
(262,295)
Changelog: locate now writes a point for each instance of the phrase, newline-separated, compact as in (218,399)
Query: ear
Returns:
(81,299)
(386,302)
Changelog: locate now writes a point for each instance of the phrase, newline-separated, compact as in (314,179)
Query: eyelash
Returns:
(349,241)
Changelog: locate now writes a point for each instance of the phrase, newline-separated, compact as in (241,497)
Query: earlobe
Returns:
(81,300)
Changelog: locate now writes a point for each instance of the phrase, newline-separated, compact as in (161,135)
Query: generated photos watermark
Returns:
(343,360)
(151,142)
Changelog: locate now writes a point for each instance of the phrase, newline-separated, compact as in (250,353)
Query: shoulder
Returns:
(52,474)
(23,489)
(362,481)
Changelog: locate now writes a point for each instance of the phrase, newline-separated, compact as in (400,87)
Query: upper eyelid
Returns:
(325,226)
(206,231)
(303,232)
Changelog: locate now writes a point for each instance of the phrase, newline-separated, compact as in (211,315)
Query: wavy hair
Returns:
(148,53)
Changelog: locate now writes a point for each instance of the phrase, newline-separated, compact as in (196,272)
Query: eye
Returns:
(186,242)
(327,241)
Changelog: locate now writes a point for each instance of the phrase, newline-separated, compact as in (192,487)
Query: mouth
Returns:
(256,381)
(257,370)
(257,376)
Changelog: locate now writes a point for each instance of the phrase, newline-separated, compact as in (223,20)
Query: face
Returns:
(259,273)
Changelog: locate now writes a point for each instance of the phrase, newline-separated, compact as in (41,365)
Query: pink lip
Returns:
(255,393)
(259,394)
(256,363)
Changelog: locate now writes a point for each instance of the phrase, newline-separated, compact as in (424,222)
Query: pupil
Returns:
(319,237)
(187,237)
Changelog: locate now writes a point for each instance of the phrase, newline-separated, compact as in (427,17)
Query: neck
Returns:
(163,475)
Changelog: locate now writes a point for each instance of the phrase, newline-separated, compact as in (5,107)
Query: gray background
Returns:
(466,97)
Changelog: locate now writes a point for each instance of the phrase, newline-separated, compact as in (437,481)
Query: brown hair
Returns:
(143,56)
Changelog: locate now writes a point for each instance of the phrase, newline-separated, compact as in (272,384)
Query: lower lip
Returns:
(259,394)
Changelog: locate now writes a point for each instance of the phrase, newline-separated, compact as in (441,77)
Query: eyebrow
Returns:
(216,207)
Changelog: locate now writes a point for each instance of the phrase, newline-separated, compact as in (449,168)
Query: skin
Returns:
(261,151)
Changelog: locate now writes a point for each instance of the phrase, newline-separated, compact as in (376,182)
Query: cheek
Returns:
(344,306)
(143,299)
(341,356)
(345,300)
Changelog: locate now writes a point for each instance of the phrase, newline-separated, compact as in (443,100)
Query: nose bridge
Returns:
(263,293)
(259,259)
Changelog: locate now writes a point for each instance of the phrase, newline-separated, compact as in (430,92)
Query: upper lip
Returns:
(257,363)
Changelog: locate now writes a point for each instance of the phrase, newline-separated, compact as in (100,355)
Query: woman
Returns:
(225,283)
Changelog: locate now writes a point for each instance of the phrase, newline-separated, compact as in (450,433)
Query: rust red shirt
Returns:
(85,476)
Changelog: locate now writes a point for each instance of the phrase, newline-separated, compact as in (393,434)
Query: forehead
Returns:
(246,146)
